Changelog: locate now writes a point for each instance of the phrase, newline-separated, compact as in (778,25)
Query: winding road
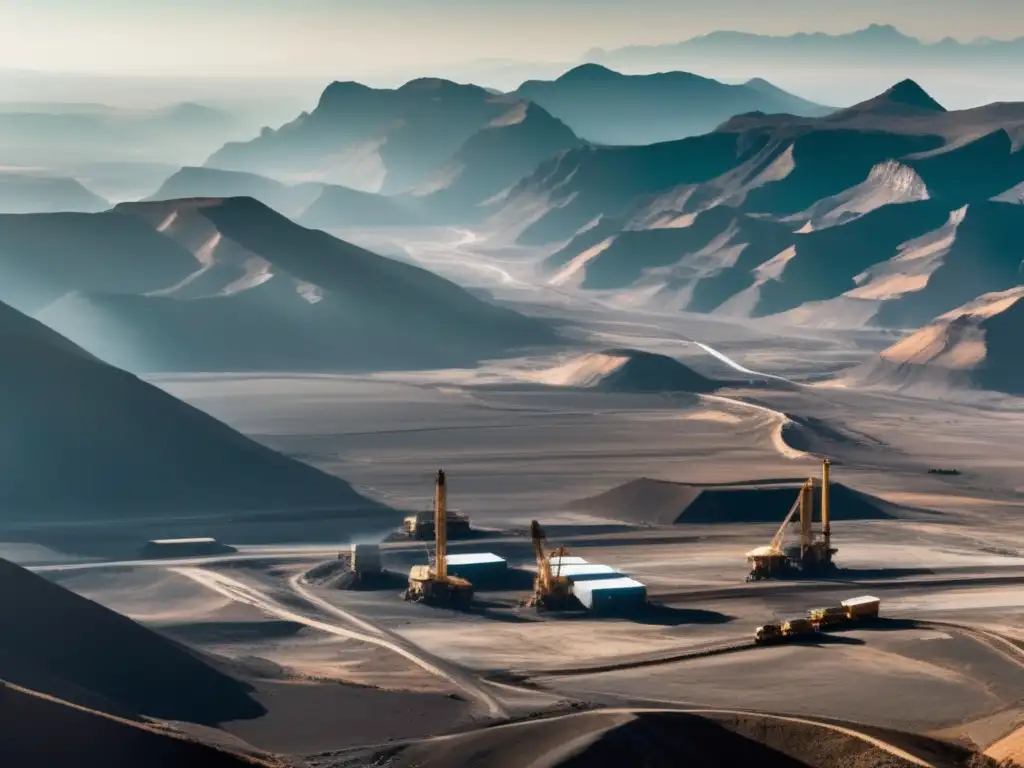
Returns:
(365,632)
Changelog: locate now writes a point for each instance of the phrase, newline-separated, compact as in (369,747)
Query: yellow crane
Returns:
(431,583)
(814,554)
(551,590)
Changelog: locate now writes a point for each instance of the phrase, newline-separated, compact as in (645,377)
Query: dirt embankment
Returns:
(61,644)
(663,738)
(37,730)
(659,502)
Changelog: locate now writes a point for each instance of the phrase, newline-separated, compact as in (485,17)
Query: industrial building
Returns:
(366,560)
(477,567)
(161,548)
(611,596)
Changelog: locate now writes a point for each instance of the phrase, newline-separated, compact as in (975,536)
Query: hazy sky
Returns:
(320,37)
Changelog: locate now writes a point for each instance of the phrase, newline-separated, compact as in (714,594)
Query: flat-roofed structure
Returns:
(366,559)
(477,566)
(610,596)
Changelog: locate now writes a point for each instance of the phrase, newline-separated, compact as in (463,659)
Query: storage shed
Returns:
(477,567)
(366,558)
(619,595)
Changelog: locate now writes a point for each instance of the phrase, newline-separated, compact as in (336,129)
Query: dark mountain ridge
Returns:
(608,107)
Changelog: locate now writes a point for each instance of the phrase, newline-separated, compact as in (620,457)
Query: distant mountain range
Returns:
(26,192)
(875,40)
(323,206)
(122,448)
(607,107)
(439,152)
(50,135)
(379,140)
(228,284)
(890,212)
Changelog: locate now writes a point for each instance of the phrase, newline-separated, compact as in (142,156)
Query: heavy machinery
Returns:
(551,590)
(813,555)
(856,610)
(421,525)
(790,629)
(431,583)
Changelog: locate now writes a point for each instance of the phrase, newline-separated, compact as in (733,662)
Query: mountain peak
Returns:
(881,31)
(903,98)
(429,84)
(592,72)
(909,93)
(340,91)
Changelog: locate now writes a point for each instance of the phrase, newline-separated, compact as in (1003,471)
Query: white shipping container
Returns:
(610,595)
(477,567)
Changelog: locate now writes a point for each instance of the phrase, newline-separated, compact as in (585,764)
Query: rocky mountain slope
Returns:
(123,448)
(389,141)
(228,284)
(889,213)
(976,345)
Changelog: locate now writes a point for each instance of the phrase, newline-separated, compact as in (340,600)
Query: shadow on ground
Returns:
(668,616)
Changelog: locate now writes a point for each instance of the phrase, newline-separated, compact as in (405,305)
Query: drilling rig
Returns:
(813,555)
(551,590)
(431,584)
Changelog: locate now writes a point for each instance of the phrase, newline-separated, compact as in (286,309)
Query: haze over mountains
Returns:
(377,140)
(747,218)
(26,192)
(33,133)
(434,136)
(881,39)
(839,68)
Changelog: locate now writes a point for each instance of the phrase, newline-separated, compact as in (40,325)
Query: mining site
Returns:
(679,579)
(411,385)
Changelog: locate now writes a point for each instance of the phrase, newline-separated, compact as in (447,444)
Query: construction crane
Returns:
(431,583)
(814,554)
(551,590)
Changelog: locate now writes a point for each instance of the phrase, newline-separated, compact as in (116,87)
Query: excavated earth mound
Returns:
(61,644)
(626,370)
(89,738)
(659,502)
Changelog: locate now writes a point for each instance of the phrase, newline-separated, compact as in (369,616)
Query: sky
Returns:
(311,38)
